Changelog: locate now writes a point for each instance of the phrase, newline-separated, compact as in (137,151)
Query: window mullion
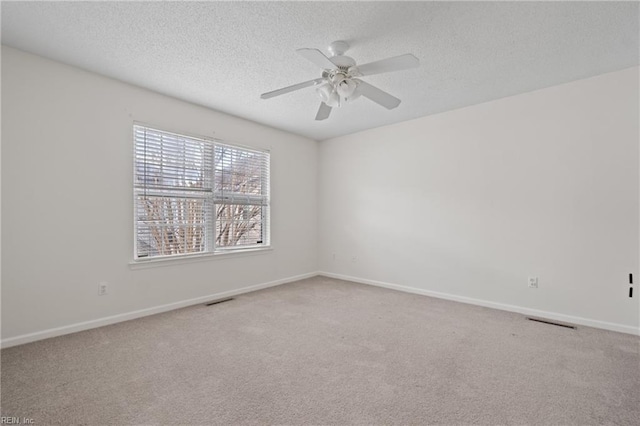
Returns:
(211,206)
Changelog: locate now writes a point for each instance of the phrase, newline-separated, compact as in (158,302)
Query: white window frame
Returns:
(214,199)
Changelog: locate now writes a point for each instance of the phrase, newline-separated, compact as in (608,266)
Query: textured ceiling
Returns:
(223,55)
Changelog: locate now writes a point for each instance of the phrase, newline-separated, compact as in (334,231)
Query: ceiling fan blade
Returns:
(292,88)
(378,96)
(397,63)
(317,57)
(323,111)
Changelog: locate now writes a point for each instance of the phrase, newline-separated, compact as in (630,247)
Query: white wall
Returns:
(67,218)
(465,204)
(469,203)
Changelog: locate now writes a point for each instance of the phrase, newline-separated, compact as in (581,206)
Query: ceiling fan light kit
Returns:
(340,84)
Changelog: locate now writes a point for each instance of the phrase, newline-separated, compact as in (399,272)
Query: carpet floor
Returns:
(325,351)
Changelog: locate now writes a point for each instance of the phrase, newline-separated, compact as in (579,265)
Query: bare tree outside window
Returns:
(238,187)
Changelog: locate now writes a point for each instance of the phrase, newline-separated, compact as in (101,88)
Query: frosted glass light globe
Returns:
(328,95)
(334,100)
(324,92)
(346,88)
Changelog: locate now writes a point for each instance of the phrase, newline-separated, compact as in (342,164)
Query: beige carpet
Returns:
(323,351)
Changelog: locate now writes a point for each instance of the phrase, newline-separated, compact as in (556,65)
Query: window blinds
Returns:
(194,196)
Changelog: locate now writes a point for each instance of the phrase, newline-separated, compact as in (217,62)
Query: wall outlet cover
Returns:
(103,288)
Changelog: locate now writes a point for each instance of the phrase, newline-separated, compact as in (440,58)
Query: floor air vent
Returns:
(559,324)
(215,302)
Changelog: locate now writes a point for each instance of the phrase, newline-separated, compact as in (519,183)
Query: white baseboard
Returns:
(86,325)
(501,306)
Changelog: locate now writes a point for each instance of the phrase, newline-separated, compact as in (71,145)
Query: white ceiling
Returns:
(223,55)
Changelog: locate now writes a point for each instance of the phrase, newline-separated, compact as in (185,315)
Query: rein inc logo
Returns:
(6,420)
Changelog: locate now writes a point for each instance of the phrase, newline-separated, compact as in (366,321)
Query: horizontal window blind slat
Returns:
(173,191)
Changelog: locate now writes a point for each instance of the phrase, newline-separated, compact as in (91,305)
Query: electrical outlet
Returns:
(533,282)
(103,288)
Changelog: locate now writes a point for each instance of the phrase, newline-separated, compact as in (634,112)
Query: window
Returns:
(195,196)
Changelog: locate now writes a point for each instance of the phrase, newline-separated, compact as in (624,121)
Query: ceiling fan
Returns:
(340,84)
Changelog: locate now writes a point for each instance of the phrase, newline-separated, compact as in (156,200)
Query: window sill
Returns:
(178,260)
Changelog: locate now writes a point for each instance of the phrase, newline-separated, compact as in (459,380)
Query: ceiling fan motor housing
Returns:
(343,62)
